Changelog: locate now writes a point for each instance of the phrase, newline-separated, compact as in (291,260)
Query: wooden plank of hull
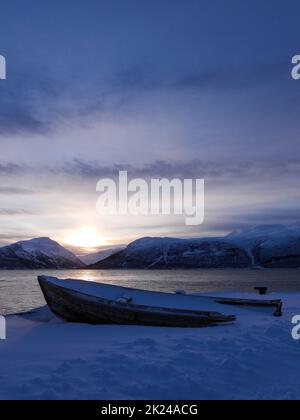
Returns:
(277,304)
(74,306)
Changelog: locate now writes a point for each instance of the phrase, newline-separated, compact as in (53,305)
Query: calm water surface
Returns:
(19,290)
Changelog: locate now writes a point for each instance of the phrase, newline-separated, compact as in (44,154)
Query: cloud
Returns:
(233,78)
(10,168)
(137,77)
(219,170)
(9,238)
(185,169)
(15,212)
(31,102)
(273,215)
(14,119)
(26,101)
(91,169)
(16,191)
(142,78)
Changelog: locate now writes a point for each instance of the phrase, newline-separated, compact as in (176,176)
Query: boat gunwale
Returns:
(241,301)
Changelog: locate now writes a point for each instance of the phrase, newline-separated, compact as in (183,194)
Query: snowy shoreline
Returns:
(256,358)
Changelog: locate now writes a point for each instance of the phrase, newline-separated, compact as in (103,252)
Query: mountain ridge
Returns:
(261,246)
(37,253)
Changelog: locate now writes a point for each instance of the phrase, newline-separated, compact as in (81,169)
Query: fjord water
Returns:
(19,289)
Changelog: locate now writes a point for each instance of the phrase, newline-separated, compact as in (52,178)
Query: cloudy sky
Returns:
(162,88)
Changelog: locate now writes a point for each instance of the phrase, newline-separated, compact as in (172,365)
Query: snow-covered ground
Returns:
(45,358)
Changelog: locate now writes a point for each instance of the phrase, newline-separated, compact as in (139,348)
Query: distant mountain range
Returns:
(169,253)
(267,246)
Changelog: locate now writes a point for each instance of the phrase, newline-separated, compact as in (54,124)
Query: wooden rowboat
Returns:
(95,303)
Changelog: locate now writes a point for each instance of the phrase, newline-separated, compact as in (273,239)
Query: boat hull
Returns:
(75,306)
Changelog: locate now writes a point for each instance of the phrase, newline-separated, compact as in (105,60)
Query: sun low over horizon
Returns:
(86,237)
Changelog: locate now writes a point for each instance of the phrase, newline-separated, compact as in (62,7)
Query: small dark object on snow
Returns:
(261,290)
(278,312)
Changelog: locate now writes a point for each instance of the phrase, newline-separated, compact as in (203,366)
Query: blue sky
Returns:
(164,88)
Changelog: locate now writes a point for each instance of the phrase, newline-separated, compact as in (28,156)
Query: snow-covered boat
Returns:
(97,303)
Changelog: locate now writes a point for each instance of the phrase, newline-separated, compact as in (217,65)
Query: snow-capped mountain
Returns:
(266,246)
(37,253)
(162,253)
(99,256)
(270,245)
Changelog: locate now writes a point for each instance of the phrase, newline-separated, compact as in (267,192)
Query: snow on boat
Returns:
(97,303)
